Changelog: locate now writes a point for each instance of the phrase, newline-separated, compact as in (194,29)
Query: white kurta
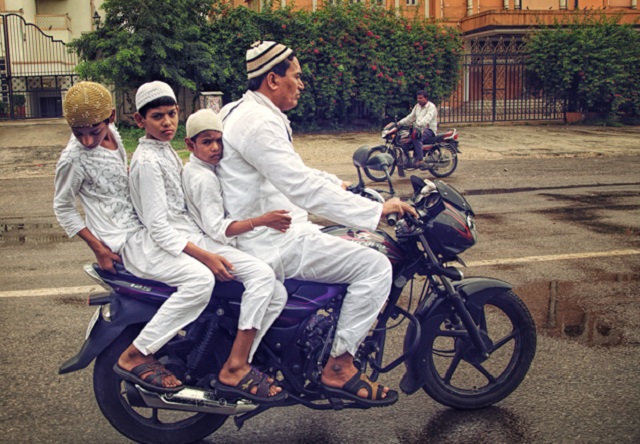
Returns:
(98,177)
(264,296)
(422,117)
(261,172)
(158,198)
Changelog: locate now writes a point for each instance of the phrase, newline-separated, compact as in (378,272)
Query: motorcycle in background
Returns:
(468,344)
(440,152)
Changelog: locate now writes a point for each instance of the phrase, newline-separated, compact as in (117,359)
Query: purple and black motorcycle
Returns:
(468,342)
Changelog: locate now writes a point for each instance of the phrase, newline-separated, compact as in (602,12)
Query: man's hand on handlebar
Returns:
(396,206)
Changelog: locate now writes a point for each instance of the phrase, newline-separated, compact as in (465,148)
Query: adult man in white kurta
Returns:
(261,172)
(424,118)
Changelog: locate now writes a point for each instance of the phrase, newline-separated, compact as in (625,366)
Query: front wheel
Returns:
(458,375)
(444,161)
(379,176)
(143,424)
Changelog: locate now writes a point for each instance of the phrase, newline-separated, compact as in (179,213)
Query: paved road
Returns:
(563,231)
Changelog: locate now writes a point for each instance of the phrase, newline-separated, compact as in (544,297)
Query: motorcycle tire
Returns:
(457,374)
(144,425)
(445,161)
(379,176)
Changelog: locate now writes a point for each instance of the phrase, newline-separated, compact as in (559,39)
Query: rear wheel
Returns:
(458,376)
(144,424)
(379,176)
(444,159)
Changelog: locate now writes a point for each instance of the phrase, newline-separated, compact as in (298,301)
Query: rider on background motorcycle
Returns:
(424,118)
(261,172)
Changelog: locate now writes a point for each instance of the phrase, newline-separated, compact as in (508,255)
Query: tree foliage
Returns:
(144,40)
(352,55)
(592,63)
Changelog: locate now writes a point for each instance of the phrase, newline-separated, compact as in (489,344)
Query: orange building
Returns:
(477,18)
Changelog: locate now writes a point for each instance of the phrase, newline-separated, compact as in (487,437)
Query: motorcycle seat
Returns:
(125,283)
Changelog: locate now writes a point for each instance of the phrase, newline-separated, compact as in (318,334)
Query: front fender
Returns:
(475,291)
(124,312)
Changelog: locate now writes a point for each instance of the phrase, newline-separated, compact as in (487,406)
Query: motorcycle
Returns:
(468,343)
(440,152)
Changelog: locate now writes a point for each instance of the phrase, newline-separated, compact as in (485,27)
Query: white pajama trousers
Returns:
(324,258)
(262,302)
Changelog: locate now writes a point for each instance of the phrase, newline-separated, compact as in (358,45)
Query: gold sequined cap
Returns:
(87,104)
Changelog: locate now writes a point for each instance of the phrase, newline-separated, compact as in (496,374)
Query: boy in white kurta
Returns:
(265,296)
(93,168)
(156,194)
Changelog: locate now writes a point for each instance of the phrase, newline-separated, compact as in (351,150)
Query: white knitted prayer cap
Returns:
(151,91)
(262,56)
(203,120)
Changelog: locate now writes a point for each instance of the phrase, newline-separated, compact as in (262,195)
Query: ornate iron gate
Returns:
(35,70)
(492,87)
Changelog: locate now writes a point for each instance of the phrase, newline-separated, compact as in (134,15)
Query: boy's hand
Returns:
(106,259)
(278,220)
(219,266)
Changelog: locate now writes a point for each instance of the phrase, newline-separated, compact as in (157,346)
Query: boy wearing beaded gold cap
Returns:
(93,167)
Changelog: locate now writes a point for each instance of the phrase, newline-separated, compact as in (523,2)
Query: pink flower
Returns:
(315,51)
(284,26)
(374,67)
(369,34)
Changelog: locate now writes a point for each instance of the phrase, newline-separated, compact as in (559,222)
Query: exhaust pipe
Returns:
(190,399)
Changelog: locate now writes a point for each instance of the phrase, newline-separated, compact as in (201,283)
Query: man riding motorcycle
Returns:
(424,118)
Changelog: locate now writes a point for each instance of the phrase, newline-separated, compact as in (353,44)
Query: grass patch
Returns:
(130,136)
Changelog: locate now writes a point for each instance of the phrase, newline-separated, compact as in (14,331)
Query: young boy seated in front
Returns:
(204,202)
(158,198)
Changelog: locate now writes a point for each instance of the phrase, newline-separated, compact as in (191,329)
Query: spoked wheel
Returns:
(459,376)
(444,159)
(379,176)
(144,424)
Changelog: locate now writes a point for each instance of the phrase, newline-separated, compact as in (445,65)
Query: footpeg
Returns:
(336,403)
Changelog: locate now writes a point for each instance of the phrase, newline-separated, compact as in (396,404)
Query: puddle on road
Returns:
(602,312)
(585,209)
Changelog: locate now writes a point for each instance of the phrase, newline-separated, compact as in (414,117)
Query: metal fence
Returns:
(35,71)
(493,88)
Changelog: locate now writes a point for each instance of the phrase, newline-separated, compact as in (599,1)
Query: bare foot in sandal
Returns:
(342,379)
(153,373)
(237,370)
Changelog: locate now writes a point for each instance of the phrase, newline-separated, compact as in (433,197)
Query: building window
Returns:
(412,2)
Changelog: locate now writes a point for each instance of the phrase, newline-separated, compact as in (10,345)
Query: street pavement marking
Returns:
(84,291)
(60,291)
(553,257)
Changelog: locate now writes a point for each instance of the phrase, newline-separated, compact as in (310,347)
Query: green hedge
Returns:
(592,62)
(351,53)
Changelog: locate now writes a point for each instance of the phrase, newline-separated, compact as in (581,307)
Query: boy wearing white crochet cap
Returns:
(264,296)
(177,252)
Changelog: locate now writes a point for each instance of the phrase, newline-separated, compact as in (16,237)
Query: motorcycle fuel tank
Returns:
(378,240)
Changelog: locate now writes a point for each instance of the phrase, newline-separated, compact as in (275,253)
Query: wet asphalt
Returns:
(564,231)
